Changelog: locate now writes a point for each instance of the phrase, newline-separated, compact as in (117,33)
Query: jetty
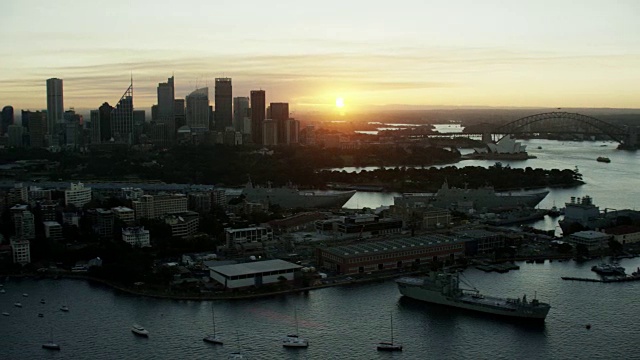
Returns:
(605,279)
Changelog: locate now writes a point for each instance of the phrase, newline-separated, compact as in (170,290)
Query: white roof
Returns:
(255,267)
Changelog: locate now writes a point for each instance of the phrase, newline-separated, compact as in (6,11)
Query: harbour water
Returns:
(611,185)
(341,322)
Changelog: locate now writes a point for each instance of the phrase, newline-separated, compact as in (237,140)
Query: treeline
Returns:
(502,178)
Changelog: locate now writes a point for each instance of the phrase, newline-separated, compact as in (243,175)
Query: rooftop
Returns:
(392,245)
(255,267)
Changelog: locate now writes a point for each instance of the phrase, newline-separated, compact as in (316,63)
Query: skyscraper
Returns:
(7,119)
(105,122)
(122,118)
(166,98)
(258,103)
(55,105)
(36,125)
(223,98)
(240,111)
(198,110)
(280,114)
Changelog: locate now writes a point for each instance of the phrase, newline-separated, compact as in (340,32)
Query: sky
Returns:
(372,54)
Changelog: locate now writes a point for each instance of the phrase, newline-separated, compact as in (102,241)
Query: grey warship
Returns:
(291,197)
(444,289)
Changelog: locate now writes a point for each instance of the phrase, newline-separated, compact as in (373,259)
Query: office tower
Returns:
(70,128)
(280,114)
(198,110)
(122,118)
(270,133)
(16,134)
(179,113)
(36,127)
(166,100)
(105,122)
(7,119)
(292,129)
(224,116)
(258,104)
(94,115)
(55,106)
(240,111)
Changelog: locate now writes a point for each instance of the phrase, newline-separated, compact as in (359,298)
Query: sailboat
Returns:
(50,345)
(236,355)
(389,346)
(293,340)
(213,338)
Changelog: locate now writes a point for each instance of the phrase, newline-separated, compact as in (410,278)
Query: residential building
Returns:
(200,202)
(223,104)
(183,224)
(124,214)
(48,210)
(291,131)
(136,236)
(21,251)
(258,107)
(24,225)
(156,206)
(52,230)
(219,198)
(102,222)
(269,132)
(77,195)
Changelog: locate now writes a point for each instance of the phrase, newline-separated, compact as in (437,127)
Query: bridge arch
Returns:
(591,125)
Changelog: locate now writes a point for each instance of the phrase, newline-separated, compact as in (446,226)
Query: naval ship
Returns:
(291,198)
(481,199)
(444,289)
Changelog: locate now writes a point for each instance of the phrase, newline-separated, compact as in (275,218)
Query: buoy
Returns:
(588,326)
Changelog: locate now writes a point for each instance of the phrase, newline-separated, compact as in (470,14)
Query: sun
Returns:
(339,102)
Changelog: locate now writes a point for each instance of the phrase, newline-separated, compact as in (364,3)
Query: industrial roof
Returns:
(255,267)
(392,245)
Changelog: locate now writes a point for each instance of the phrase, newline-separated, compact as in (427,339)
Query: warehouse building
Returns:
(255,273)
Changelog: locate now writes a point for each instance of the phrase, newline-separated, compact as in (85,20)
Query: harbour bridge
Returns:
(559,122)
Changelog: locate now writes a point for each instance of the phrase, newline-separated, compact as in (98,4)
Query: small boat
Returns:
(139,330)
(603,159)
(50,345)
(40,315)
(42,301)
(2,291)
(17,304)
(236,355)
(293,340)
(389,346)
(25,295)
(213,338)
(64,308)
(5,313)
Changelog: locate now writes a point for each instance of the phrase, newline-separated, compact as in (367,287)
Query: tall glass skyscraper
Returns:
(223,98)
(121,118)
(7,118)
(258,103)
(240,111)
(55,105)
(198,110)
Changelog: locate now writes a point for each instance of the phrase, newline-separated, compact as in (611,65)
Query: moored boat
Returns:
(17,304)
(293,340)
(444,289)
(139,330)
(603,159)
(389,346)
(213,338)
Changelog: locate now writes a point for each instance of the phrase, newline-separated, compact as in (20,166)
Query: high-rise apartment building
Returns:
(156,206)
(55,105)
(77,195)
(121,118)
(223,98)
(280,114)
(240,111)
(258,103)
(198,110)
(269,132)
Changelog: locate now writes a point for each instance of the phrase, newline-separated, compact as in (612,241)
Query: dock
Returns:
(604,280)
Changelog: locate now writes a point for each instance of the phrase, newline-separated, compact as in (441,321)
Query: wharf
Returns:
(605,280)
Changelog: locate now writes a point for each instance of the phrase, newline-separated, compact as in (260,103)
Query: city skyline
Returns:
(524,54)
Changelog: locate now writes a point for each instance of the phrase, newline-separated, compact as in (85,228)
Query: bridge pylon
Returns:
(486,137)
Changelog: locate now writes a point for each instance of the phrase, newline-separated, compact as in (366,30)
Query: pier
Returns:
(604,280)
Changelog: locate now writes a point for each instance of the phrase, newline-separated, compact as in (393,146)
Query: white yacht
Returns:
(389,346)
(50,345)
(139,330)
(293,340)
(5,313)
(64,308)
(17,304)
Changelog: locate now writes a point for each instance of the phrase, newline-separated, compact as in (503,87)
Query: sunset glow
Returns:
(417,53)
